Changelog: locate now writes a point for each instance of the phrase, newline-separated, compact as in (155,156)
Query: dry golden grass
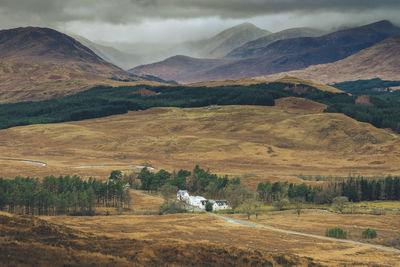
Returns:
(204,229)
(28,241)
(258,80)
(260,143)
(32,82)
(141,203)
(317,221)
(190,239)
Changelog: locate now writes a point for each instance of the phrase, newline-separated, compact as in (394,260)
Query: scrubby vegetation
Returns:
(369,233)
(104,101)
(336,233)
(62,195)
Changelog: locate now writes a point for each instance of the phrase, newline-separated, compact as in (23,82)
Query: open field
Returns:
(29,241)
(254,142)
(204,229)
(317,221)
(194,239)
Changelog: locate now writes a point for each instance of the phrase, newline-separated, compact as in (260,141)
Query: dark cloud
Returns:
(127,11)
(110,19)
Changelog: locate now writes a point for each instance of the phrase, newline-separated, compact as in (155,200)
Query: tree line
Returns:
(354,189)
(61,195)
(103,101)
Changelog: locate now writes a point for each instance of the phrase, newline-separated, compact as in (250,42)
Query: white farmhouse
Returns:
(200,202)
(220,205)
(182,195)
(195,201)
(216,204)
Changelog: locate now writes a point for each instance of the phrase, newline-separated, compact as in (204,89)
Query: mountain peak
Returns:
(40,45)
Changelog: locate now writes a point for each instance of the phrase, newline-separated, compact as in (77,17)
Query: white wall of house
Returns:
(200,202)
(182,195)
(220,205)
(195,200)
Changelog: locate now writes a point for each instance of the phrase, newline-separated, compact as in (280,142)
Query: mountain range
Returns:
(379,61)
(41,63)
(277,56)
(221,44)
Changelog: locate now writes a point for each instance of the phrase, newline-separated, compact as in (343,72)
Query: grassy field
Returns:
(201,228)
(194,239)
(253,142)
(314,221)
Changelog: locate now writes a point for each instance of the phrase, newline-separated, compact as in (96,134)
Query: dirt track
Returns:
(304,234)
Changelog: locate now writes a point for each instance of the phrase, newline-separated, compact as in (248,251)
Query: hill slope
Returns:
(178,68)
(290,138)
(379,61)
(117,57)
(36,61)
(253,47)
(286,55)
(229,39)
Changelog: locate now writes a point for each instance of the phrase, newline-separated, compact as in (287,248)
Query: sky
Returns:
(154,21)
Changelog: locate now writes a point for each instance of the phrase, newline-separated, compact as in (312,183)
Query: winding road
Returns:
(304,234)
(44,164)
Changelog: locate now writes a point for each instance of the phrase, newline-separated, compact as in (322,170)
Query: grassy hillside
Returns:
(257,142)
(36,242)
(105,101)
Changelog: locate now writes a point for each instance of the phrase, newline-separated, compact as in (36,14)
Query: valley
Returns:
(286,135)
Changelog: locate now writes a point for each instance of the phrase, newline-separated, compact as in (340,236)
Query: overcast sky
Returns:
(178,20)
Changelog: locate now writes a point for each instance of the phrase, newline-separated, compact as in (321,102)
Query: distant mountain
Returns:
(178,68)
(117,57)
(38,63)
(252,48)
(379,61)
(283,55)
(221,44)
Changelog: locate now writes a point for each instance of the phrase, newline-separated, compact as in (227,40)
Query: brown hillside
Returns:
(172,240)
(237,140)
(29,81)
(295,103)
(248,81)
(35,242)
(380,61)
(178,68)
(40,63)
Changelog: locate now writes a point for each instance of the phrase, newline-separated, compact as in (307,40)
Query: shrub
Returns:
(369,233)
(339,203)
(209,206)
(336,233)
(281,204)
(172,206)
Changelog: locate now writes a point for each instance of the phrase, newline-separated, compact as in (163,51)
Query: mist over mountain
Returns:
(113,55)
(279,56)
(221,44)
(252,48)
